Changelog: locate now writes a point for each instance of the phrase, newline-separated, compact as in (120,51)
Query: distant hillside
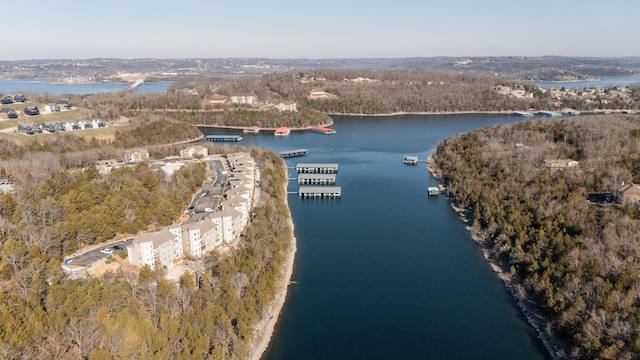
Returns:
(529,68)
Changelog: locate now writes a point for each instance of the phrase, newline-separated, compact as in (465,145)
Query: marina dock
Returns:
(410,160)
(317,168)
(549,113)
(293,153)
(317,179)
(320,191)
(521,113)
(223,138)
(323,130)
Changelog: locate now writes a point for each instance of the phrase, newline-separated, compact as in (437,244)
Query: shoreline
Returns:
(512,284)
(266,326)
(300,128)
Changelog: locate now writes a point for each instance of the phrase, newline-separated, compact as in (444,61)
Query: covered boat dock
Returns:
(317,179)
(317,168)
(320,191)
(293,153)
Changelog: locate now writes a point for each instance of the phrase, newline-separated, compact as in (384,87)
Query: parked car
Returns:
(106,251)
(12,114)
(7,100)
(117,247)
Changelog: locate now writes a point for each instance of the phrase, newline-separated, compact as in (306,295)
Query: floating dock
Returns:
(320,191)
(282,131)
(323,130)
(223,137)
(433,191)
(410,160)
(317,168)
(317,179)
(251,130)
(293,153)
(549,113)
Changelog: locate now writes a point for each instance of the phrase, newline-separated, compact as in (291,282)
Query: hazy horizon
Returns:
(333,29)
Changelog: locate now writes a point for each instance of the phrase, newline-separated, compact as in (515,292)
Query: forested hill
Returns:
(575,262)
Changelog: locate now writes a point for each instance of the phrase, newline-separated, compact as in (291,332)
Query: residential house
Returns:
(243,98)
(52,108)
(85,124)
(193,151)
(6,113)
(317,93)
(64,103)
(53,126)
(287,106)
(217,99)
(98,123)
(19,98)
(31,110)
(162,248)
(629,194)
(29,128)
(105,166)
(72,125)
(561,163)
(136,155)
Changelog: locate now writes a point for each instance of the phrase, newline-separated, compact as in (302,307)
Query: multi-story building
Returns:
(201,237)
(162,248)
(243,98)
(192,151)
(136,155)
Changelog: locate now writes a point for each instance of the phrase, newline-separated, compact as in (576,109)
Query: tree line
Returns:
(575,263)
(209,313)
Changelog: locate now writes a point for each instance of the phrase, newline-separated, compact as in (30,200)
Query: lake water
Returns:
(603,82)
(42,86)
(387,272)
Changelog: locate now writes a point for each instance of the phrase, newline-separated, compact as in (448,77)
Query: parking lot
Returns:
(88,258)
(207,200)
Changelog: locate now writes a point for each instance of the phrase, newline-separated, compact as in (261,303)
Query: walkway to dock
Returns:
(223,137)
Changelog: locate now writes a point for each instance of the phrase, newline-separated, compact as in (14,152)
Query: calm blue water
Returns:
(42,86)
(387,272)
(604,81)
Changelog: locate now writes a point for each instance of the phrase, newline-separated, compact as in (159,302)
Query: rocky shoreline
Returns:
(265,328)
(512,284)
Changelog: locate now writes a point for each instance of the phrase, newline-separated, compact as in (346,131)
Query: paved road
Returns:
(88,258)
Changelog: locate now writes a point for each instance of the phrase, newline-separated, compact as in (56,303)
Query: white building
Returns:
(162,248)
(231,221)
(243,98)
(287,106)
(136,155)
(201,237)
(193,151)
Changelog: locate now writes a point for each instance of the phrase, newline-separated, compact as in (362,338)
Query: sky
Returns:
(80,29)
